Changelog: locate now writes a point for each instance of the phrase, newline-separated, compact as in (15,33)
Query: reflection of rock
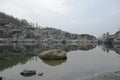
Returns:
(87,46)
(40,74)
(37,48)
(10,56)
(116,41)
(28,73)
(114,47)
(0,78)
(54,62)
(55,54)
(108,41)
(70,47)
(13,54)
(7,61)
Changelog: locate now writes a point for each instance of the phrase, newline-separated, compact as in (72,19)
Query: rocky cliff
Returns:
(110,38)
(15,30)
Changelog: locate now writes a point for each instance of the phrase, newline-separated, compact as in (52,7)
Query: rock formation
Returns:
(13,30)
(56,54)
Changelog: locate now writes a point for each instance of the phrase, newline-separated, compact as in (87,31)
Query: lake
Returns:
(82,61)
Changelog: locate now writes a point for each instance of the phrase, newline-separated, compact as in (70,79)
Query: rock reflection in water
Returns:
(68,47)
(54,62)
(87,47)
(10,56)
(13,54)
(113,47)
(37,48)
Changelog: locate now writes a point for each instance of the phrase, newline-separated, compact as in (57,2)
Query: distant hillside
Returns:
(15,30)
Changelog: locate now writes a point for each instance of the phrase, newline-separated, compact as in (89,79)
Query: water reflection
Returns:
(72,47)
(10,61)
(37,48)
(114,47)
(54,62)
(13,54)
(83,60)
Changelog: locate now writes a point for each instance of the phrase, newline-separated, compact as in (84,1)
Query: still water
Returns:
(82,61)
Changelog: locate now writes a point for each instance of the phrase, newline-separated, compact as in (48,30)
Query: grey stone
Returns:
(28,73)
(55,54)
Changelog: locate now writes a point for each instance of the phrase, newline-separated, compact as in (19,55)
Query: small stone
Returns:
(40,74)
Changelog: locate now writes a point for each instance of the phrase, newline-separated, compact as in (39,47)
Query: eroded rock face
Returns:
(55,54)
(20,31)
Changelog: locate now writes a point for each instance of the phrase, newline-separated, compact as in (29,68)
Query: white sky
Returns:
(77,16)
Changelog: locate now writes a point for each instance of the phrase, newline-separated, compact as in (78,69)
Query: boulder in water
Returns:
(56,54)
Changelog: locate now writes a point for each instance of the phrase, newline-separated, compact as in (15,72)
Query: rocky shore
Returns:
(106,76)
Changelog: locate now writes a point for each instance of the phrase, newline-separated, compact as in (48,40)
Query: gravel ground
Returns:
(106,76)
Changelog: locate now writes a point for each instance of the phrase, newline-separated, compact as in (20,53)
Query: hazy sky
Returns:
(77,16)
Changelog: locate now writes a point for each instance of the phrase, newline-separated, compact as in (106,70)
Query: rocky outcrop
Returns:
(46,35)
(110,39)
(13,30)
(56,54)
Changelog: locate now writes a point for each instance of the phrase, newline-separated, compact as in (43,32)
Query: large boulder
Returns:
(55,54)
